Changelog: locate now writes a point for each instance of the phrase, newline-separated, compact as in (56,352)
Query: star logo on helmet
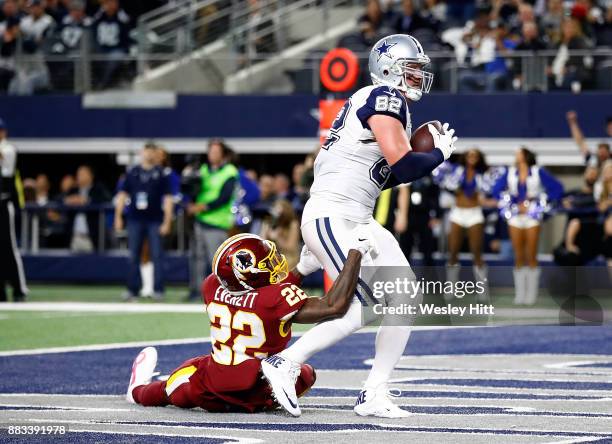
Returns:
(383,49)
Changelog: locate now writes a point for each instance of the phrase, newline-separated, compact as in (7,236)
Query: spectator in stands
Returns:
(603,29)
(551,21)
(72,28)
(212,211)
(434,11)
(57,9)
(32,73)
(371,22)
(525,14)
(68,40)
(9,32)
(603,149)
(460,11)
(410,20)
(283,228)
(149,216)
(84,226)
(529,40)
(570,71)
(111,29)
(488,71)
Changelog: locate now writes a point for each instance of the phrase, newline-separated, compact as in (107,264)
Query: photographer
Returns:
(213,199)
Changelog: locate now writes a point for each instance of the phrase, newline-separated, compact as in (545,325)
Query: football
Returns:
(422,140)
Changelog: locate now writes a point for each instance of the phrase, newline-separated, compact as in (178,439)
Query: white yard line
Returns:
(97,347)
(108,307)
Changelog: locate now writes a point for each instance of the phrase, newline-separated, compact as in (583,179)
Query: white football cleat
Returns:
(377,402)
(281,374)
(143,369)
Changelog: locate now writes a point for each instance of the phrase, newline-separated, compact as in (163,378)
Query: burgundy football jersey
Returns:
(253,325)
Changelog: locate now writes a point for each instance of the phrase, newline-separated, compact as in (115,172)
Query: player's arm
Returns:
(406,165)
(338,299)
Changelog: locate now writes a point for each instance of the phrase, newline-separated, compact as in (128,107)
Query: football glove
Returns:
(445,141)
(308,262)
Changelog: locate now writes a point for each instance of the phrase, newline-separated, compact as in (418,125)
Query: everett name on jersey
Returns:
(350,170)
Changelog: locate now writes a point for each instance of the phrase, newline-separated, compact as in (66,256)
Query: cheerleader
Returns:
(466,181)
(525,194)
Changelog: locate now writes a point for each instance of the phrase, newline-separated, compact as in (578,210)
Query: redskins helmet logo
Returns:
(243,261)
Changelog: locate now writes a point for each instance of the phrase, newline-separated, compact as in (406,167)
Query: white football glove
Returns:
(364,243)
(308,262)
(444,142)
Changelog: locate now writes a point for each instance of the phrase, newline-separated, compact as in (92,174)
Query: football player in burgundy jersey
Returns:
(251,300)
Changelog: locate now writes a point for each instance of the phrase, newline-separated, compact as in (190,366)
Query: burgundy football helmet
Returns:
(246,261)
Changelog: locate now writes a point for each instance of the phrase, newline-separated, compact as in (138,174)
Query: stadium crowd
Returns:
(482,34)
(36,29)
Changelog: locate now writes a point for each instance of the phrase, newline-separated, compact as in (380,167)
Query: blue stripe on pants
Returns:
(329,253)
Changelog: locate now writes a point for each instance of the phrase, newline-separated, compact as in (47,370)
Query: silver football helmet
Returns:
(397,60)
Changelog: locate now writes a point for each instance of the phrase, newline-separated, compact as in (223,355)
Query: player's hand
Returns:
(308,262)
(445,142)
(364,244)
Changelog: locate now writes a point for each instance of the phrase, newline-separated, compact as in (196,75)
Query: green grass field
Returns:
(28,329)
(40,329)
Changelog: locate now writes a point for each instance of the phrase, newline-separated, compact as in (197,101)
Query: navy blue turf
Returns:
(107,371)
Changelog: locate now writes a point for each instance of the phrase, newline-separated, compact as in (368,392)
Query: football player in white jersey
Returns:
(367,150)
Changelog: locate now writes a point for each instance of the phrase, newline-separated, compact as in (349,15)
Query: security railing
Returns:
(184,25)
(524,71)
(47,227)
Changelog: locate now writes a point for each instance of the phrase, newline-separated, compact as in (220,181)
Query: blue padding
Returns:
(514,115)
(102,269)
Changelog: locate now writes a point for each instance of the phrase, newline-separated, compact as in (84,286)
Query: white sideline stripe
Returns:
(108,307)
(66,408)
(97,347)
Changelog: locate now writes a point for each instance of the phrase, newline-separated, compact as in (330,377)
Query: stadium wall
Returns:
(473,116)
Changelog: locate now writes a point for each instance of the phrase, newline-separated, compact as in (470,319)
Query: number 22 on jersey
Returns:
(221,328)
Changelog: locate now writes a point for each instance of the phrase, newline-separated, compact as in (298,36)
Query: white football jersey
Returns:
(350,170)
